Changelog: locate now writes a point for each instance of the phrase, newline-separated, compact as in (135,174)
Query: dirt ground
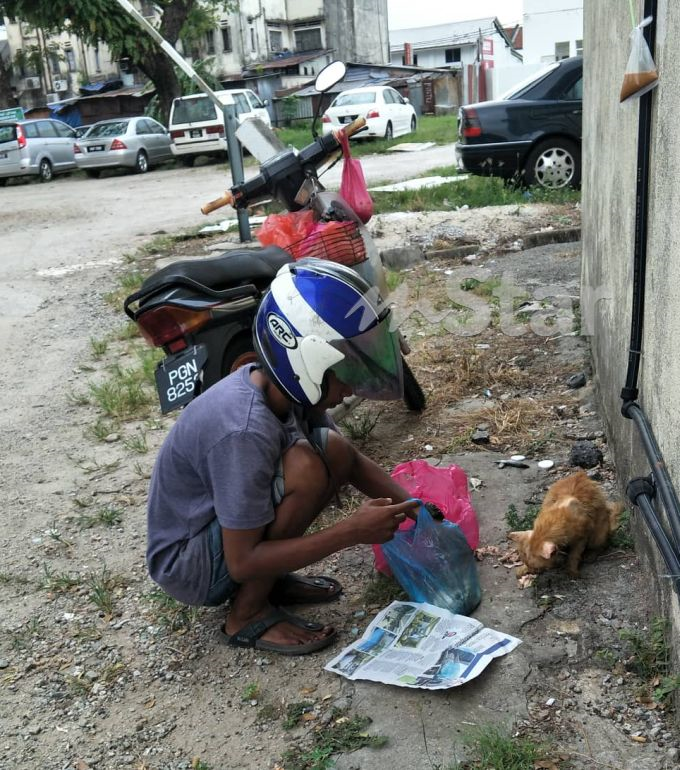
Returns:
(99,670)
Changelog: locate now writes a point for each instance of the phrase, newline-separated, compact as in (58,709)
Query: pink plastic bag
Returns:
(446,488)
(353,185)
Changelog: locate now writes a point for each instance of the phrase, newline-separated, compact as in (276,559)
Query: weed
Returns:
(250,691)
(59,583)
(99,347)
(112,672)
(393,279)
(343,735)
(77,685)
(128,332)
(268,713)
(127,283)
(101,429)
(295,712)
(576,309)
(170,613)
(608,658)
(142,472)
(137,443)
(126,393)
(55,534)
(623,536)
(519,521)
(199,764)
(77,399)
(492,749)
(23,638)
(8,579)
(101,591)
(650,655)
(666,687)
(383,590)
(360,425)
(108,516)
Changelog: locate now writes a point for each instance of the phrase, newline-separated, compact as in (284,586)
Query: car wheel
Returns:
(3,181)
(388,132)
(93,173)
(45,170)
(141,163)
(413,123)
(554,164)
(188,161)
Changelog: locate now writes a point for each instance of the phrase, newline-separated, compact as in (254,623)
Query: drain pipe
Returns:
(642,491)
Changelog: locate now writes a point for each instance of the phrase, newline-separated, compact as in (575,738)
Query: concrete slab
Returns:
(411,146)
(418,184)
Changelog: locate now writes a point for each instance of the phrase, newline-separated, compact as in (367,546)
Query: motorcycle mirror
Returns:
(330,75)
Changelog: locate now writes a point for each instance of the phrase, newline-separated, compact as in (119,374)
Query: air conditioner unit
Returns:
(51,98)
(61,85)
(31,84)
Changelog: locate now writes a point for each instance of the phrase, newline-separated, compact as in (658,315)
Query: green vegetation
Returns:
(250,691)
(493,749)
(128,390)
(360,424)
(343,735)
(107,516)
(623,536)
(171,614)
(295,712)
(383,590)
(519,521)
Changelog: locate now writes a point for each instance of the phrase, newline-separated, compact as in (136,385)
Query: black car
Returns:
(533,135)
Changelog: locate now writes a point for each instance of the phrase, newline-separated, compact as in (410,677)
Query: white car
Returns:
(386,111)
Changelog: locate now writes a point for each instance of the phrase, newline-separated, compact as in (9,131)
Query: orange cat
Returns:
(575,515)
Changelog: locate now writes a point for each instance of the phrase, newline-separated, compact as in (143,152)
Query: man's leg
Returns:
(307,489)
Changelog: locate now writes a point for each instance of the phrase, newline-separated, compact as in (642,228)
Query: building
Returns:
(473,48)
(552,30)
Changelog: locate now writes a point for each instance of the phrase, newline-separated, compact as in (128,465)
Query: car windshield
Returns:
(516,91)
(108,129)
(344,99)
(8,133)
(193,110)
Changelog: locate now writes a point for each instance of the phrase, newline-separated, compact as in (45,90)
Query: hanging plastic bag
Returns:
(433,563)
(641,75)
(284,229)
(445,487)
(353,184)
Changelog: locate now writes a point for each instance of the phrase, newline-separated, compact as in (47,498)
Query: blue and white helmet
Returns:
(319,316)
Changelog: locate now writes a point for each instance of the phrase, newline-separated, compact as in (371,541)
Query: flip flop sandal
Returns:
(250,635)
(329,589)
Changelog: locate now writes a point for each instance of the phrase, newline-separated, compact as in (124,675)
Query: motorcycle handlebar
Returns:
(314,154)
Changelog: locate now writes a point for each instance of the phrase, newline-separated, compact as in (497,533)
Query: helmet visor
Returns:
(372,363)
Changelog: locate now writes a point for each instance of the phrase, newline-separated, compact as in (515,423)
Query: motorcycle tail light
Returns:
(471,125)
(116,144)
(167,324)
(21,137)
(214,130)
(373,114)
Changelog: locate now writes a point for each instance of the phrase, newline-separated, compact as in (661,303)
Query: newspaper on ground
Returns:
(414,644)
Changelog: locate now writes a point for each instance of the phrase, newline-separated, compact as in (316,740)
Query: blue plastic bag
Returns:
(433,563)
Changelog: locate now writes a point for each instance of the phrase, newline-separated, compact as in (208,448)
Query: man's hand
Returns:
(376,521)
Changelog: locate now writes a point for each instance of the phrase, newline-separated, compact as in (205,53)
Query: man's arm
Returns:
(368,477)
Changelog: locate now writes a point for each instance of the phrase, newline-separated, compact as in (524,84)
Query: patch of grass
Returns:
(343,735)
(128,331)
(650,653)
(519,521)
(250,691)
(170,613)
(102,428)
(128,283)
(608,658)
(102,587)
(199,764)
(59,582)
(10,579)
(107,516)
(359,424)
(56,536)
(383,590)
(493,749)
(623,536)
(24,637)
(393,278)
(295,712)
(128,391)
(137,443)
(98,347)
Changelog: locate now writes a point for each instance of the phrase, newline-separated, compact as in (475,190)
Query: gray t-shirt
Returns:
(218,460)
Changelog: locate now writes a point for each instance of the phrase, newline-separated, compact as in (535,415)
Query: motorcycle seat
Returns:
(230,268)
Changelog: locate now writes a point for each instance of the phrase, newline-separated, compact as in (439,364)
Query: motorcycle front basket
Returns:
(340,242)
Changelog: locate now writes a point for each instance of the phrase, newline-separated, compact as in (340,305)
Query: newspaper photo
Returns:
(411,644)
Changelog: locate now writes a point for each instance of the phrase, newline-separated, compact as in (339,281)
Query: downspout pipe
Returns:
(641,492)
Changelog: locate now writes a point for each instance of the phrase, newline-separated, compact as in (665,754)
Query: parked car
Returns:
(136,143)
(532,135)
(387,112)
(197,129)
(40,148)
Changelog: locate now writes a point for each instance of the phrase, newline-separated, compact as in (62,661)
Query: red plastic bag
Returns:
(284,229)
(446,488)
(353,185)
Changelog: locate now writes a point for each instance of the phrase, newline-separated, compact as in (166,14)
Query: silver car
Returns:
(136,143)
(39,148)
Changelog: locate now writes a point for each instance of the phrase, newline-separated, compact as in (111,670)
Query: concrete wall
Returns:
(357,30)
(608,202)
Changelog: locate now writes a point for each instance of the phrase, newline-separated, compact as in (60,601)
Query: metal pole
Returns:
(229,112)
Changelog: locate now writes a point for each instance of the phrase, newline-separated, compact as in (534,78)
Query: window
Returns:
(241,104)
(308,39)
(275,39)
(53,56)
(31,130)
(255,100)
(252,39)
(193,110)
(143,127)
(70,60)
(579,47)
(226,39)
(46,128)
(575,91)
(561,51)
(388,96)
(63,130)
(415,59)
(452,55)
(210,42)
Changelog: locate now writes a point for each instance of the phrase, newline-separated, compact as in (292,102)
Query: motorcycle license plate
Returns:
(176,377)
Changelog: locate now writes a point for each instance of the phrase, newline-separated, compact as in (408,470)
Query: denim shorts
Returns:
(222,587)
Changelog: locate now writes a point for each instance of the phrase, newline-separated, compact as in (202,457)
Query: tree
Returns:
(104,20)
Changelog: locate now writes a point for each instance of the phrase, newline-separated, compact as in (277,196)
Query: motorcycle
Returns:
(201,312)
